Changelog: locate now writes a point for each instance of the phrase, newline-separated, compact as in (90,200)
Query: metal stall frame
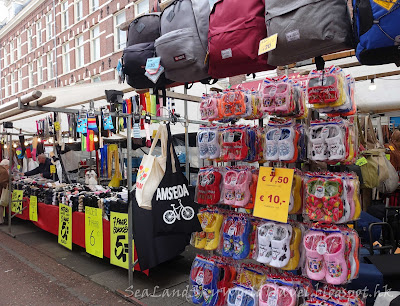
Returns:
(185,97)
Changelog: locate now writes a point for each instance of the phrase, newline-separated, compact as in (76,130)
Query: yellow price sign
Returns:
(57,126)
(267,44)
(273,194)
(65,226)
(94,231)
(386,4)
(33,215)
(52,169)
(119,240)
(16,201)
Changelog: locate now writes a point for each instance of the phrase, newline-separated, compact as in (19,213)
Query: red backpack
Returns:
(236,28)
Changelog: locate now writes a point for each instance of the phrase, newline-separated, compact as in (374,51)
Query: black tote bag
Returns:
(151,250)
(173,207)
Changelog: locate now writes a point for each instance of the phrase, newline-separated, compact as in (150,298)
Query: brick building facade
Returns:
(55,43)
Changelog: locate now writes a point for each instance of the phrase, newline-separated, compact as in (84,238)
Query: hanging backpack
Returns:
(307,29)
(142,33)
(377,31)
(182,45)
(236,28)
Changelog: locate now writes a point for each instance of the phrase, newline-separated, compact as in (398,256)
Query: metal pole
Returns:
(129,177)
(185,103)
(10,164)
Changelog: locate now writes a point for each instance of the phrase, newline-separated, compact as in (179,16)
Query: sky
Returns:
(3,11)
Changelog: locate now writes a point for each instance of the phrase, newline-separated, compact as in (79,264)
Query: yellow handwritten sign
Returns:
(52,169)
(267,44)
(119,240)
(16,201)
(94,231)
(57,126)
(386,4)
(65,226)
(33,215)
(273,194)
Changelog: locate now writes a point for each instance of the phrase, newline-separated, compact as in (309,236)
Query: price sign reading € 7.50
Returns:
(273,194)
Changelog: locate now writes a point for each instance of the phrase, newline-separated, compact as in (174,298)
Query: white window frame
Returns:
(93,40)
(66,58)
(50,66)
(12,51)
(94,5)
(19,79)
(79,51)
(12,81)
(39,33)
(78,3)
(40,70)
(19,42)
(119,45)
(64,15)
(137,4)
(30,74)
(30,39)
(5,56)
(49,26)
(6,87)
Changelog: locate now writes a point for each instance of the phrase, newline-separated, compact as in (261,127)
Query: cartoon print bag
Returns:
(151,170)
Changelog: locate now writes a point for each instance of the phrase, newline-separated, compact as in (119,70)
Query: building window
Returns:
(5,56)
(39,33)
(18,47)
(80,55)
(31,80)
(50,24)
(40,70)
(96,79)
(142,7)
(66,58)
(64,15)
(121,35)
(5,87)
(50,71)
(12,83)
(78,10)
(12,52)
(20,79)
(30,39)
(94,4)
(95,33)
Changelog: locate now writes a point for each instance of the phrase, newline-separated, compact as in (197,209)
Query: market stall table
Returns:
(48,220)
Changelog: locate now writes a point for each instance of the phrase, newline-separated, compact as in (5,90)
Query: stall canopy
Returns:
(68,97)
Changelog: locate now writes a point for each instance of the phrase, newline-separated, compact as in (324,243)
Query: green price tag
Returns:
(361,161)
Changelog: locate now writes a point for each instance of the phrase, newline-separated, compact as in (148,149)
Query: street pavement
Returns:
(36,270)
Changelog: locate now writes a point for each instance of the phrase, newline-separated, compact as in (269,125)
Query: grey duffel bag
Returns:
(307,29)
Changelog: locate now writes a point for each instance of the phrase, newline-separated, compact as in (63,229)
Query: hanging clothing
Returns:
(104,160)
(112,157)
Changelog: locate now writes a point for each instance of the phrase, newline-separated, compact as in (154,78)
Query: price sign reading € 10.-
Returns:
(273,194)
(94,231)
(65,226)
(119,240)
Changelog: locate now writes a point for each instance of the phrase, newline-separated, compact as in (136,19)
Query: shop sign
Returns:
(119,240)
(94,231)
(65,226)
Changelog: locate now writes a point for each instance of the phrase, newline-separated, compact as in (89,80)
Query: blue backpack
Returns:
(377,29)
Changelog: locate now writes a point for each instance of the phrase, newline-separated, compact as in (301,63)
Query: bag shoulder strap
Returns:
(161,135)
(171,151)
